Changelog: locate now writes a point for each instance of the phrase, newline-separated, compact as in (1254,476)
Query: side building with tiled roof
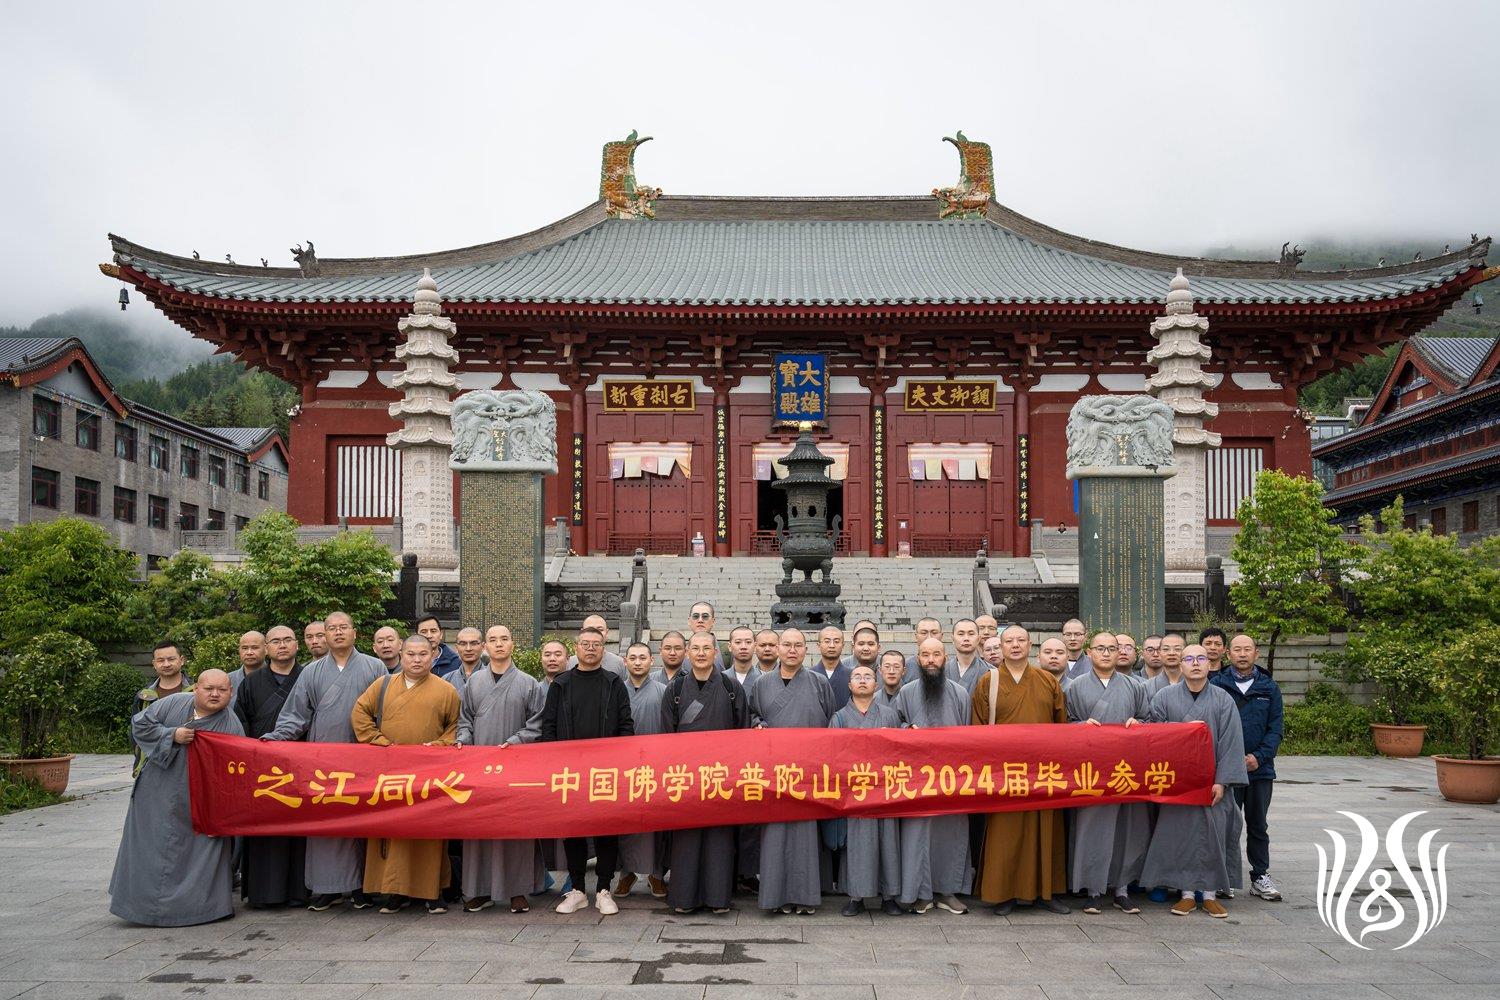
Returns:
(1430,436)
(70,446)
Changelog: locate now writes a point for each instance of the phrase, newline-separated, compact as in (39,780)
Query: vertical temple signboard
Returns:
(799,389)
(721,474)
(1023,479)
(504,442)
(577,479)
(877,498)
(1120,453)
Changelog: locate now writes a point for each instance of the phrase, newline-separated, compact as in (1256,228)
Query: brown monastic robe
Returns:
(425,713)
(1025,853)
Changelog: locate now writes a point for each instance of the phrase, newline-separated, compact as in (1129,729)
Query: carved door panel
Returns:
(671,506)
(650,513)
(632,508)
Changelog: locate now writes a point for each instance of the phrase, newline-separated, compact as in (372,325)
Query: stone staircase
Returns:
(892,592)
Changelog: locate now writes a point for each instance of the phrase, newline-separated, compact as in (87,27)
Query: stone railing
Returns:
(633,612)
(1046,606)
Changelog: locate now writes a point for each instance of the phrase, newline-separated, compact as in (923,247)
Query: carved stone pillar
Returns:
(1180,382)
(426,436)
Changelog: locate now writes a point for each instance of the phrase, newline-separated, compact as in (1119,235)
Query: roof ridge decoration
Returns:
(622,197)
(971,196)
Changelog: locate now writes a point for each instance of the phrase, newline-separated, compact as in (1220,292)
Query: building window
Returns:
(124,505)
(87,432)
(1440,520)
(125,442)
(46,417)
(216,470)
(44,488)
(85,497)
(263,485)
(156,512)
(1471,516)
(161,452)
(189,517)
(215,520)
(240,523)
(1231,472)
(242,478)
(153,562)
(189,462)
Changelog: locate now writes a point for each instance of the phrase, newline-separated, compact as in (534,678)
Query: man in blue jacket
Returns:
(1258,698)
(444,658)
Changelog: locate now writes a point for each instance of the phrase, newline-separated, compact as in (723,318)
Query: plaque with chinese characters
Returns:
(949,396)
(649,396)
(799,388)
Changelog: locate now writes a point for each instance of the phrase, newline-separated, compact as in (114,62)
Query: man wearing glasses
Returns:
(1197,848)
(612,660)
(1125,658)
(701,618)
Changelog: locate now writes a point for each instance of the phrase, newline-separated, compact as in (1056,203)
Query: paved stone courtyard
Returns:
(57,939)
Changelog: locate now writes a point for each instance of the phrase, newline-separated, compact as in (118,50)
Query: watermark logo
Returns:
(1424,879)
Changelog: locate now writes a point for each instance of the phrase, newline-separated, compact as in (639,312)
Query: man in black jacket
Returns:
(587,703)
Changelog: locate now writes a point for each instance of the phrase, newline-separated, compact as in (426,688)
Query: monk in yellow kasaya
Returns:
(410,707)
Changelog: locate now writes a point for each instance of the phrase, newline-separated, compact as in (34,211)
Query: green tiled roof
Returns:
(785,263)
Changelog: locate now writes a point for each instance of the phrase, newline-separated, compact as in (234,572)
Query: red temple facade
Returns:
(955,336)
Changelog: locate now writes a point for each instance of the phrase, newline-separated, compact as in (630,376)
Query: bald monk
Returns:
(165,874)
(1024,855)
(252,658)
(272,869)
(409,708)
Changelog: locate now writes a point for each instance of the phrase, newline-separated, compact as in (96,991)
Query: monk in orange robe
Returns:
(1024,857)
(409,707)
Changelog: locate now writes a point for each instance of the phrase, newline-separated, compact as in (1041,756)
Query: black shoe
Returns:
(1054,906)
(891,908)
(362,900)
(394,904)
(437,906)
(853,908)
(1006,908)
(324,900)
(1094,904)
(748,884)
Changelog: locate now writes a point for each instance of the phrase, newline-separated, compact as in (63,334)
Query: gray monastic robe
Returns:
(644,853)
(1108,843)
(458,678)
(790,864)
(165,874)
(702,860)
(934,849)
(871,865)
(747,836)
(1198,847)
(318,710)
(491,710)
(971,676)
(884,697)
(552,850)
(748,680)
(1151,685)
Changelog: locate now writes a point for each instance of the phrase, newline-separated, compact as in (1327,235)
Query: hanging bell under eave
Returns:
(124,298)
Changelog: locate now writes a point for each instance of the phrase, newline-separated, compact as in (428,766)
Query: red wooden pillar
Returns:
(1021,494)
(721,470)
(878,481)
(578,517)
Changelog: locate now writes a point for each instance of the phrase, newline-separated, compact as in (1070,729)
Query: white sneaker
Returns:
(573,902)
(1265,888)
(605,902)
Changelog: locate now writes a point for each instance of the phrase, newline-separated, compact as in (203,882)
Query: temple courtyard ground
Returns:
(57,939)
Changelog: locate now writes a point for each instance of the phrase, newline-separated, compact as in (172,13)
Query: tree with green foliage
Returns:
(1290,554)
(1468,678)
(36,688)
(1418,595)
(218,393)
(65,576)
(284,582)
(189,599)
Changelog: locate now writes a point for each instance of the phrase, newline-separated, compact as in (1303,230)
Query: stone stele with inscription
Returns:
(505,430)
(1107,431)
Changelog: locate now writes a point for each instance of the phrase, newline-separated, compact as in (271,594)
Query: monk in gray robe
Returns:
(966,665)
(1197,848)
(790,853)
(252,658)
(891,677)
(165,874)
(700,699)
(554,664)
(494,705)
(1171,650)
(935,863)
(1108,843)
(643,853)
(319,710)
(871,868)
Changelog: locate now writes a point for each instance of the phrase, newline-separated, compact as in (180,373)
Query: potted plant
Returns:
(1468,680)
(1399,664)
(36,693)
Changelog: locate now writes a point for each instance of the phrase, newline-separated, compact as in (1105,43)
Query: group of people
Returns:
(418,690)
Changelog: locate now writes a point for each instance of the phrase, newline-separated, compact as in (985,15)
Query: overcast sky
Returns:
(384,128)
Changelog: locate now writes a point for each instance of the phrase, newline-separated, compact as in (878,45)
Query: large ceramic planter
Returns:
(1398,741)
(49,772)
(1464,780)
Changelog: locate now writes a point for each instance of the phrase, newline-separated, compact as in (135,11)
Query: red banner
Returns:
(636,784)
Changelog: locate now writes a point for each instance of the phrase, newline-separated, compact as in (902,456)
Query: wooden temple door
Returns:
(949,517)
(650,513)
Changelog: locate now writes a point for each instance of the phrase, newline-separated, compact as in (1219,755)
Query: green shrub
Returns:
(17,794)
(1327,723)
(66,575)
(105,694)
(1468,677)
(214,652)
(37,689)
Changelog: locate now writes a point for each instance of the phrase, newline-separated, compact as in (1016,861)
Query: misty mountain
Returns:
(126,345)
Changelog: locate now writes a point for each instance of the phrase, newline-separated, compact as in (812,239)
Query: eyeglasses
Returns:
(1195,659)
(700,616)
(1105,649)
